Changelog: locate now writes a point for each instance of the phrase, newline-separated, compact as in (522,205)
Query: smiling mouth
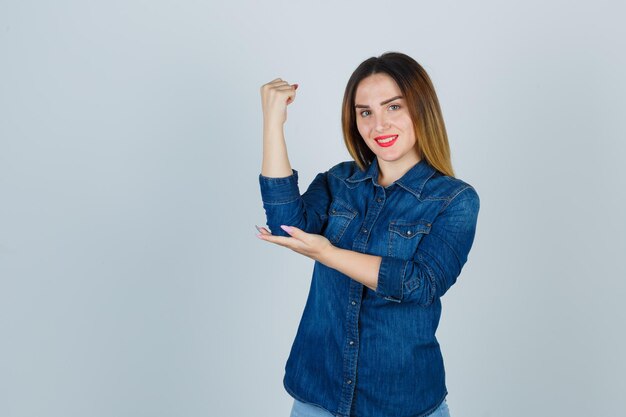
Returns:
(386,141)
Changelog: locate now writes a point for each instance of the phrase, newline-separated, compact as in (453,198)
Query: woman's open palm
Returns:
(307,244)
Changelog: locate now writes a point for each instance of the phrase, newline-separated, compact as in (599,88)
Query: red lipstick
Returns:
(386,144)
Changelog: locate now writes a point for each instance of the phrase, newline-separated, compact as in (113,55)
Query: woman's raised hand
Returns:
(275,96)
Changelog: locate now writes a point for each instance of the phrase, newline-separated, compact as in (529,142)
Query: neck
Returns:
(389,172)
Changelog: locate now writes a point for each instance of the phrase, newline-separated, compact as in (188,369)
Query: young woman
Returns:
(389,232)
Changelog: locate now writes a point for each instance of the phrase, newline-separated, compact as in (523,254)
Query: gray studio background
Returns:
(131,280)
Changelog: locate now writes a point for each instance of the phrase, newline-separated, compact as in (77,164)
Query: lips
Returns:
(386,140)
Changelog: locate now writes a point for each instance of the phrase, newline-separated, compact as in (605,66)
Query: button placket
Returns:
(351,352)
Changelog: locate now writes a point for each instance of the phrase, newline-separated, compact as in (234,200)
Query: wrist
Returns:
(328,254)
(272,125)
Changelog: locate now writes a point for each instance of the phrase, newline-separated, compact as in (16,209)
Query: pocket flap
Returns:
(339,208)
(409,229)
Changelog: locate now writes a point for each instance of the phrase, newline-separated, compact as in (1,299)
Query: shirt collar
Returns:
(413,180)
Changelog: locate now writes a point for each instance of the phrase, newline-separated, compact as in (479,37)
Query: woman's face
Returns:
(380,114)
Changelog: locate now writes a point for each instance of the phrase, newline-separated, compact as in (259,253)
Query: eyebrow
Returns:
(361,106)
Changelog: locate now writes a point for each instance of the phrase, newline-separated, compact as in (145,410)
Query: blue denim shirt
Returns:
(365,353)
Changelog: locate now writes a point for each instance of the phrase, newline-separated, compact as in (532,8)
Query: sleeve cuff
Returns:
(391,278)
(279,190)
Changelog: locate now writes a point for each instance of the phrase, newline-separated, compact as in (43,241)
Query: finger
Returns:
(286,90)
(270,84)
(262,230)
(278,83)
(293,231)
(289,89)
(279,240)
(273,83)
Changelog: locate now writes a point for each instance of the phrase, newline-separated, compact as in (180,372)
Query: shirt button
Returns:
(408,232)
(351,342)
(364,230)
(349,381)
(379,200)
(354,303)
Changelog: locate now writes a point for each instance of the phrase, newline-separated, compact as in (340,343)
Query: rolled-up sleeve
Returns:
(439,257)
(283,203)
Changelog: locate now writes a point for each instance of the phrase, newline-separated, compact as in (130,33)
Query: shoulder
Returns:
(343,170)
(444,187)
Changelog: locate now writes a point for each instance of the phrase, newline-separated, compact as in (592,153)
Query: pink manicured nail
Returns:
(285,228)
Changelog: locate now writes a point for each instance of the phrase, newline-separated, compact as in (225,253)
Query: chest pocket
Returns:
(404,236)
(340,214)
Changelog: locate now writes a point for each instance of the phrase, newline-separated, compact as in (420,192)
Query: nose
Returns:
(381,123)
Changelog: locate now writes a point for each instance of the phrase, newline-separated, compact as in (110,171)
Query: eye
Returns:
(394,105)
(364,111)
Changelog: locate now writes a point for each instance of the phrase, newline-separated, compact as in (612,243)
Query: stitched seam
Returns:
(410,287)
(460,191)
(431,278)
(275,181)
(273,203)
(454,196)
(343,204)
(341,229)
(449,198)
(344,219)
(334,175)
(406,263)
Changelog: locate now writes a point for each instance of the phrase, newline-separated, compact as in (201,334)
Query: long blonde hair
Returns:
(423,106)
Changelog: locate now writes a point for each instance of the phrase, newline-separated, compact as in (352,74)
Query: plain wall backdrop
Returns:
(131,279)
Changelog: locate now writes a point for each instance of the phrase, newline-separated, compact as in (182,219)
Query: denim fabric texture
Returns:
(300,409)
(360,352)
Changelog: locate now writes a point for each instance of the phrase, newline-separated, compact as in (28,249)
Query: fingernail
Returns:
(258,228)
(285,228)
(295,86)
